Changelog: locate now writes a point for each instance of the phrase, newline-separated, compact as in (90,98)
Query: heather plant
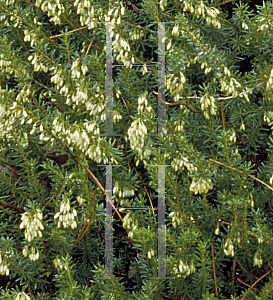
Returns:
(60,133)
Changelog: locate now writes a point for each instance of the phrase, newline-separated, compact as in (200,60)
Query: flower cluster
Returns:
(212,13)
(175,30)
(92,127)
(3,113)
(229,248)
(136,34)
(58,79)
(183,269)
(176,219)
(235,154)
(217,230)
(151,253)
(116,19)
(257,260)
(231,135)
(238,238)
(229,87)
(4,65)
(31,37)
(264,22)
(32,222)
(96,153)
(7,116)
(179,125)
(268,117)
(163,4)
(80,198)
(32,253)
(122,192)
(53,8)
(116,116)
(242,127)
(66,217)
(143,103)
(271,180)
(204,65)
(136,134)
(87,12)
(79,96)
(78,68)
(208,102)
(22,96)
(180,162)
(200,186)
(9,2)
(269,84)
(244,25)
(251,201)
(200,9)
(129,221)
(260,240)
(175,84)
(122,47)
(59,263)
(94,104)
(4,268)
(41,128)
(81,139)
(22,296)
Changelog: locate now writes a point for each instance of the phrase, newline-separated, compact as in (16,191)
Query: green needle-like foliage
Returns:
(217,153)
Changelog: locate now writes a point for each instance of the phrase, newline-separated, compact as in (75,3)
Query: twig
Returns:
(61,34)
(229,97)
(214,273)
(255,283)
(125,104)
(82,233)
(248,286)
(179,103)
(218,162)
(30,292)
(223,115)
(225,2)
(88,48)
(12,206)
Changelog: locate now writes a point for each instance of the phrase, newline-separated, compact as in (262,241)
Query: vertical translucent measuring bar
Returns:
(161,125)
(109,83)
(109,225)
(161,242)
(161,237)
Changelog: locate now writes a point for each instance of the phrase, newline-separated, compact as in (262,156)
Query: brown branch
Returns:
(54,104)
(217,162)
(82,233)
(224,2)
(4,205)
(61,34)
(251,287)
(109,200)
(179,103)
(88,48)
(29,290)
(214,273)
(223,115)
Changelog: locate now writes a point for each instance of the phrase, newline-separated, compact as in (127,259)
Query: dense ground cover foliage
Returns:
(56,146)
